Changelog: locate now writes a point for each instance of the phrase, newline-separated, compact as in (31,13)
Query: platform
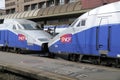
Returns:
(42,68)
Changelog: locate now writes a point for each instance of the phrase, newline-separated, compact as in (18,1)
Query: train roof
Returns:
(3,26)
(21,21)
(109,8)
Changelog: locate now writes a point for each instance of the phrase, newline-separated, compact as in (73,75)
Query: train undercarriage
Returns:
(97,60)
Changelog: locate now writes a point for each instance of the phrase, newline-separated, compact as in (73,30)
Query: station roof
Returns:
(71,8)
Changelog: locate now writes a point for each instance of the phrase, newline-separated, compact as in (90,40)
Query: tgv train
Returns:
(21,34)
(94,36)
(55,29)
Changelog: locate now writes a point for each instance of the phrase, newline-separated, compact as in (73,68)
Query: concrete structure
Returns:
(2,12)
(50,12)
(41,68)
(89,4)
(13,6)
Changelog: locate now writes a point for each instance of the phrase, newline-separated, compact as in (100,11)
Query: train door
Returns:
(2,38)
(103,36)
(80,35)
(11,37)
(6,38)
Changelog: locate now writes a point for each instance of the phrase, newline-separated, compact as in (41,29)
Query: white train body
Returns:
(22,34)
(94,33)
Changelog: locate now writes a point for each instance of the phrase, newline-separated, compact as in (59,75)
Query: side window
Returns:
(14,27)
(83,22)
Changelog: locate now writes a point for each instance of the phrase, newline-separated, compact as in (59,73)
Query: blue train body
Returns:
(22,34)
(95,33)
(8,38)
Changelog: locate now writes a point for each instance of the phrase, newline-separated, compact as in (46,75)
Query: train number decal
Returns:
(21,37)
(66,38)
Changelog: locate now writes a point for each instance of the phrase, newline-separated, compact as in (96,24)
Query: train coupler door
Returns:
(103,37)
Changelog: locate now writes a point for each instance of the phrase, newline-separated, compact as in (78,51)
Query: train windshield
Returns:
(31,27)
(74,23)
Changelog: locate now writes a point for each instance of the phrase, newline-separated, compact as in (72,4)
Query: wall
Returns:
(89,4)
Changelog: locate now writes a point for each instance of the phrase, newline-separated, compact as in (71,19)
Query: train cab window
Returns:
(38,27)
(74,23)
(78,25)
(30,27)
(19,27)
(83,22)
(14,27)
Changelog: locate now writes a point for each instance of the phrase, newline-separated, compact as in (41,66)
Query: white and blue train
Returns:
(55,29)
(21,34)
(93,36)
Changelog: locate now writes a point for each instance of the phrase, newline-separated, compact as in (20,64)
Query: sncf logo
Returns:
(21,37)
(67,38)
